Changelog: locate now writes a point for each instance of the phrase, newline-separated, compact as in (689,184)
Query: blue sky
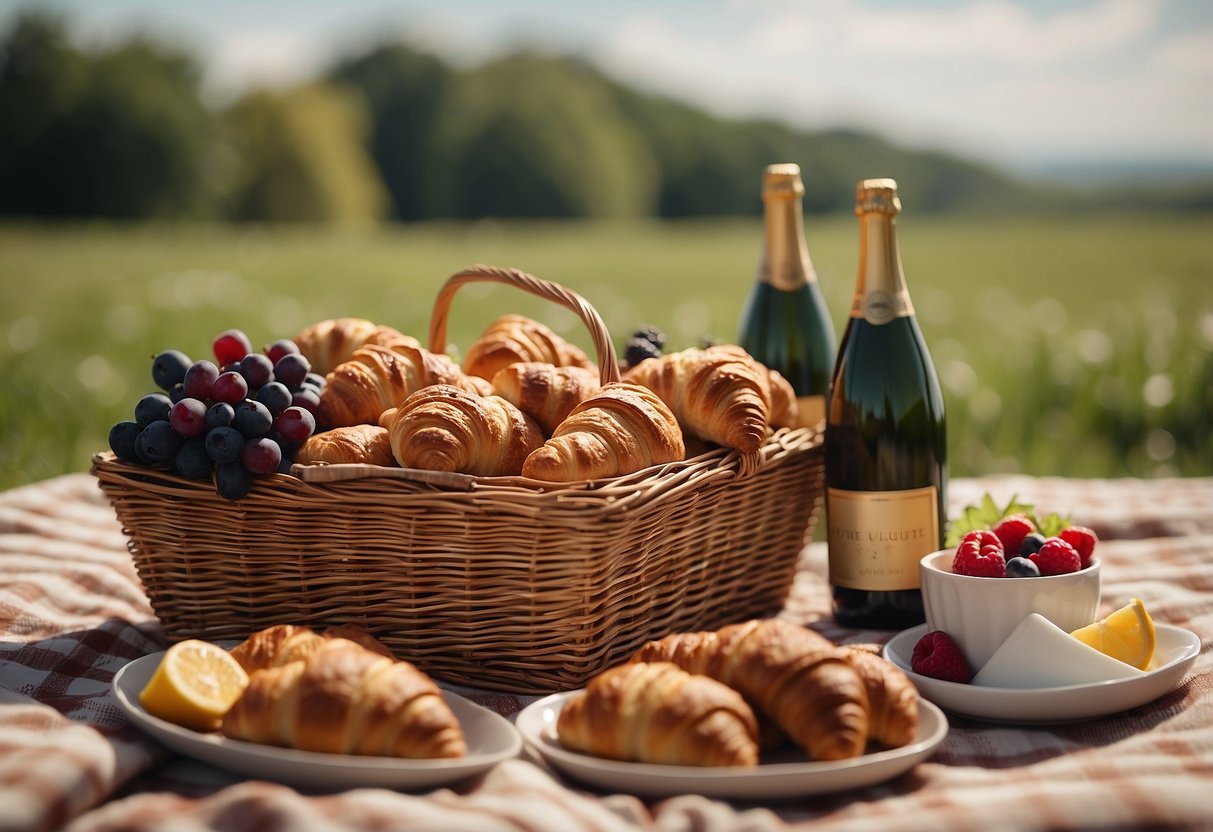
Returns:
(1023,83)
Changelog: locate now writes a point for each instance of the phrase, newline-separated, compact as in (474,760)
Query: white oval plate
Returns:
(1174,652)
(786,775)
(490,739)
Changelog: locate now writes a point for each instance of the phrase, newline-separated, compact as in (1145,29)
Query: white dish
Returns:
(1175,651)
(786,775)
(490,739)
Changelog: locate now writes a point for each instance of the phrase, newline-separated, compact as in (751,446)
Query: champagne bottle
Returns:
(785,324)
(886,438)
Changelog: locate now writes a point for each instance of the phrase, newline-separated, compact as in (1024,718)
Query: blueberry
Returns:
(1018,567)
(1031,543)
(652,334)
(638,349)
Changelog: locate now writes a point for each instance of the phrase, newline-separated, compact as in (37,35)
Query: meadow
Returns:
(1067,345)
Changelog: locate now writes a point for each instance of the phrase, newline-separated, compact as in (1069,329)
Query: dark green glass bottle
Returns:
(886,437)
(785,324)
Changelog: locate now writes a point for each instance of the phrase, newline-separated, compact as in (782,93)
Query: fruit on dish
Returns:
(194,686)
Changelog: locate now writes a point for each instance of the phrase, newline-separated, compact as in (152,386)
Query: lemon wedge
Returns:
(195,685)
(1126,634)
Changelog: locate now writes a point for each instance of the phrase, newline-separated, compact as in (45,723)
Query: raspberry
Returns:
(1012,530)
(938,656)
(1082,539)
(980,554)
(1056,557)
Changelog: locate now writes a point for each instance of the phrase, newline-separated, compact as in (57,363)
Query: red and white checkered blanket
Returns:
(72,613)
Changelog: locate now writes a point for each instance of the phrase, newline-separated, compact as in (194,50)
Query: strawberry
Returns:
(938,656)
(1012,530)
(1056,557)
(1082,539)
(980,554)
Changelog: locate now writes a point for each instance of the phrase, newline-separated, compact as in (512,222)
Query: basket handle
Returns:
(608,366)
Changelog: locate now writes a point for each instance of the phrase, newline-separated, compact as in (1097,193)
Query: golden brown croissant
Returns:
(345,699)
(620,429)
(444,428)
(719,394)
(353,443)
(328,343)
(785,408)
(795,677)
(378,378)
(658,713)
(284,643)
(545,392)
(892,698)
(513,338)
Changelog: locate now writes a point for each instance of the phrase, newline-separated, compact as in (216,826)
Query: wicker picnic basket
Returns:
(496,582)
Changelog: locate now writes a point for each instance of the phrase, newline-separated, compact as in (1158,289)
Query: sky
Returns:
(1027,84)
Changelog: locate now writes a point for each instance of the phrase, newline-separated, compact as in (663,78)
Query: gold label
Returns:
(812,410)
(879,308)
(876,538)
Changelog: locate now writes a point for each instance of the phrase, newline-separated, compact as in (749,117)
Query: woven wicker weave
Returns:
(497,582)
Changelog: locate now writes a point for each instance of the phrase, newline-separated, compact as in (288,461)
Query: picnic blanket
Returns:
(72,613)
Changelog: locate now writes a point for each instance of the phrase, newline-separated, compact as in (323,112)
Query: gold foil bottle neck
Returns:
(877,196)
(782,180)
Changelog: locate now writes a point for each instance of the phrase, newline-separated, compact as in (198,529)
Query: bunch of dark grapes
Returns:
(246,413)
(646,342)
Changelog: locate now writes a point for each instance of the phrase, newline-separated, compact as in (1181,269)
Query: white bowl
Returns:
(980,613)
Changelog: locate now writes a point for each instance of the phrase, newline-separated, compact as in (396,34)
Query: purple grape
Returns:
(199,378)
(233,481)
(275,396)
(261,455)
(257,370)
(224,444)
(308,398)
(152,408)
(177,393)
(230,388)
(188,417)
(220,415)
(158,442)
(295,424)
(281,348)
(122,441)
(230,346)
(192,460)
(292,369)
(252,419)
(314,380)
(168,368)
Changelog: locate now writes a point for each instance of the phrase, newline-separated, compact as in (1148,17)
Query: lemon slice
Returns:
(1127,634)
(194,686)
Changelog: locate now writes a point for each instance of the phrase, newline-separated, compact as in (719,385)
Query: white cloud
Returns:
(262,58)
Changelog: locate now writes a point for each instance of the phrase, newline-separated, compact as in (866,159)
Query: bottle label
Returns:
(876,538)
(812,410)
(878,307)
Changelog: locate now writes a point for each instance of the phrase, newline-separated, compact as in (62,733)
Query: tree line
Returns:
(395,133)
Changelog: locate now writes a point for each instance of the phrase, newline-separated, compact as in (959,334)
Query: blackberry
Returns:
(638,349)
(652,334)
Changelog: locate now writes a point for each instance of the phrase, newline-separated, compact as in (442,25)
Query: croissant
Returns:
(785,408)
(378,378)
(545,392)
(328,343)
(345,699)
(790,674)
(658,713)
(354,443)
(620,429)
(284,643)
(444,428)
(719,394)
(513,338)
(892,698)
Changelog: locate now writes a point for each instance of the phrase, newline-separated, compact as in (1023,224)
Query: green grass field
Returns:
(1066,345)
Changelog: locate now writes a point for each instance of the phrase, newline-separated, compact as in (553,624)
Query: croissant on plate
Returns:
(892,698)
(719,394)
(378,378)
(284,643)
(801,681)
(545,392)
(621,429)
(444,428)
(353,443)
(328,343)
(344,699)
(658,713)
(514,338)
